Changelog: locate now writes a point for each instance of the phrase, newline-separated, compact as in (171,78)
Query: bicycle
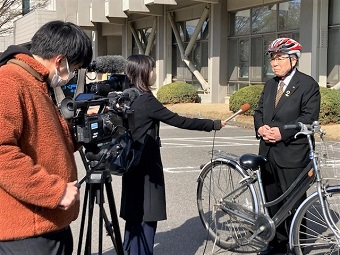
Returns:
(233,208)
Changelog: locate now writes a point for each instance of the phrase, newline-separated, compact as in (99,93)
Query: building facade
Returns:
(218,46)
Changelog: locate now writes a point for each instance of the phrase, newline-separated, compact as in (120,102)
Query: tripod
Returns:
(96,181)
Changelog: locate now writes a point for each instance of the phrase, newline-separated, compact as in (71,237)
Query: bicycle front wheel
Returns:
(217,180)
(310,232)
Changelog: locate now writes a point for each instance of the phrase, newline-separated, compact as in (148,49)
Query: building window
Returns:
(334,13)
(333,53)
(240,23)
(143,36)
(250,33)
(25,7)
(264,19)
(289,16)
(198,55)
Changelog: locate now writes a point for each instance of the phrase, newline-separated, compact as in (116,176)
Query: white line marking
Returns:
(181,169)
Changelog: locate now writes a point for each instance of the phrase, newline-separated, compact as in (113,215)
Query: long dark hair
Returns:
(138,68)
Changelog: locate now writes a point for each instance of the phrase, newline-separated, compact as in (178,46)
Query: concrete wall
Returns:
(26,26)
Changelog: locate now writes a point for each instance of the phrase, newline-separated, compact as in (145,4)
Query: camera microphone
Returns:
(114,64)
(131,93)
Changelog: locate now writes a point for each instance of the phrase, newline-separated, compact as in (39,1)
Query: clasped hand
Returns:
(269,135)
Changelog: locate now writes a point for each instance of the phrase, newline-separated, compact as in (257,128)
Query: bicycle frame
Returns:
(311,174)
(292,195)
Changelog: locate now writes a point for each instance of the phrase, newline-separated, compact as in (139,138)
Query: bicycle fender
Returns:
(311,196)
(230,162)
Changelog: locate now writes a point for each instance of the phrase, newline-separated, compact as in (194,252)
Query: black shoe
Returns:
(270,250)
(266,251)
(290,252)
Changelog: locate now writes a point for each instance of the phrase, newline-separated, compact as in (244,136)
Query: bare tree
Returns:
(10,10)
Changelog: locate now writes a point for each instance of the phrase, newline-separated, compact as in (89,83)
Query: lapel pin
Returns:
(287,93)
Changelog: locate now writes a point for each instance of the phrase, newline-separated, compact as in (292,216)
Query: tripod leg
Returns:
(100,202)
(115,224)
(82,225)
(89,223)
(95,191)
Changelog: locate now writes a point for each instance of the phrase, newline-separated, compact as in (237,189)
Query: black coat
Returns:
(299,103)
(143,188)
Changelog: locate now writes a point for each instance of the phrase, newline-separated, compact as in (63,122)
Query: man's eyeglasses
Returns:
(279,59)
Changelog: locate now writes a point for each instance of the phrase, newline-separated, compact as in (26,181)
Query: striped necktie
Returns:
(279,93)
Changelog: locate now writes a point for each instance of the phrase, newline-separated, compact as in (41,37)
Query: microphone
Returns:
(132,93)
(243,109)
(108,64)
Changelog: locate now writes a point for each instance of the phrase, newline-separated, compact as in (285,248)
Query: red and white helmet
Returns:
(285,45)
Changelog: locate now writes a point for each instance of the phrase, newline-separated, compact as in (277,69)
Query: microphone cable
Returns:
(209,198)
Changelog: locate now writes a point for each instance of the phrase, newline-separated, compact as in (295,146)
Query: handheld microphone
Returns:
(114,64)
(243,108)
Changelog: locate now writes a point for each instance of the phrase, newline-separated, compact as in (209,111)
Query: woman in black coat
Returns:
(143,188)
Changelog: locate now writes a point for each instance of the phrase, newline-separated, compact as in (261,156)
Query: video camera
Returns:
(102,112)
(111,116)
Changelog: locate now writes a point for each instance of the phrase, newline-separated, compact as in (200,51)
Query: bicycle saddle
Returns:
(252,161)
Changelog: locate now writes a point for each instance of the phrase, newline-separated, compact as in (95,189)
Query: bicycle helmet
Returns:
(285,45)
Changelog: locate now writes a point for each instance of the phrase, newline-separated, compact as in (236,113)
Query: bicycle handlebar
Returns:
(305,129)
(292,126)
(301,126)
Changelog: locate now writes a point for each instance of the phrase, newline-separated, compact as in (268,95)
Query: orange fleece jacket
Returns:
(36,155)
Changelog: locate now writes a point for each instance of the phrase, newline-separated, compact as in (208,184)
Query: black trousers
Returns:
(54,243)
(276,181)
(139,237)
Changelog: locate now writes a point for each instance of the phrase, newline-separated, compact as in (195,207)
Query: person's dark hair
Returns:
(64,38)
(138,68)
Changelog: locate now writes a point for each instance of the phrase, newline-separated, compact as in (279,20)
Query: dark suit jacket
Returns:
(143,191)
(299,103)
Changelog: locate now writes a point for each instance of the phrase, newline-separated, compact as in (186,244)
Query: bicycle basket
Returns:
(329,159)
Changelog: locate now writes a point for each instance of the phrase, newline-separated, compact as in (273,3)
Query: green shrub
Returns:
(178,92)
(250,94)
(330,106)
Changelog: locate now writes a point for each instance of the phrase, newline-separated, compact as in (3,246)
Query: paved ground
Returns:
(183,152)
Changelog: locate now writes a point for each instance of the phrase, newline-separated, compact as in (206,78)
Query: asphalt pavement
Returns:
(183,152)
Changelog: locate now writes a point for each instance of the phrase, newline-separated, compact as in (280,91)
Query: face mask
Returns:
(57,81)
(152,78)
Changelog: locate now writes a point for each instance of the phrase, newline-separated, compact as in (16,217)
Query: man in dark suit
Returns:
(288,98)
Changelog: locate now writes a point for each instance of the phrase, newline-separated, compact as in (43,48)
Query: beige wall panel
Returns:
(5,41)
(114,45)
(118,21)
(208,1)
(194,12)
(83,13)
(160,2)
(30,23)
(134,6)
(156,10)
(115,9)
(144,23)
(111,29)
(67,10)
(234,5)
(98,11)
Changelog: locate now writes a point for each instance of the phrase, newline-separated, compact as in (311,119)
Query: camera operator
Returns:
(38,196)
(143,189)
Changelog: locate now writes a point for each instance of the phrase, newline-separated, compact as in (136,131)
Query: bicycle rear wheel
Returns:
(310,232)
(217,180)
